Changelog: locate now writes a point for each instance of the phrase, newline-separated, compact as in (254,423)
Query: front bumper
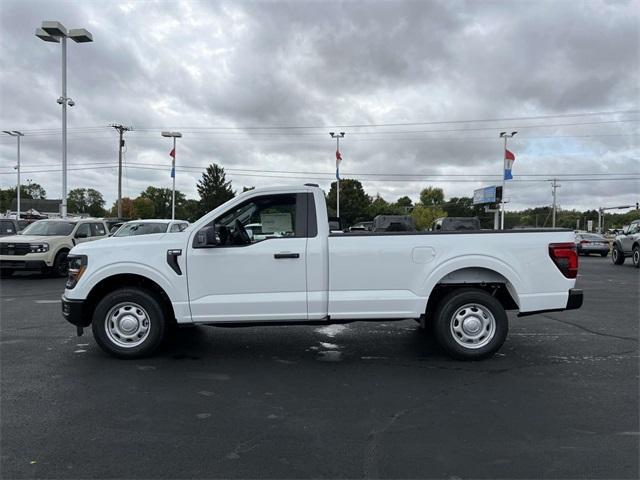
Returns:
(74,311)
(23,264)
(574,301)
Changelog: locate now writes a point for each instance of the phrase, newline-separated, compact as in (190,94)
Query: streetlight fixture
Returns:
(55,32)
(17,134)
(173,135)
(337,136)
(504,135)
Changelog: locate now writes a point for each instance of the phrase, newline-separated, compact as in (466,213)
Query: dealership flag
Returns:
(509,158)
(338,160)
(172,154)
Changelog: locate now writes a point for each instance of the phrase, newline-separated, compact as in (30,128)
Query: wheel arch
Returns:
(123,280)
(495,278)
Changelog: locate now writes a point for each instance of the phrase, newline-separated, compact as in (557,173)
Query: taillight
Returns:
(584,241)
(565,256)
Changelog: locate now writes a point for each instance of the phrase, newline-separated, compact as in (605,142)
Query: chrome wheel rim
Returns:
(636,256)
(473,326)
(127,324)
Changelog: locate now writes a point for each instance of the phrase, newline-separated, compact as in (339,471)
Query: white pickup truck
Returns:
(133,289)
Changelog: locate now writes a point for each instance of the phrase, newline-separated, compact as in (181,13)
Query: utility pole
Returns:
(17,134)
(554,187)
(121,129)
(337,136)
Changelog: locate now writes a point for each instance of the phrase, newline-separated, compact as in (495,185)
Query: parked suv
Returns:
(8,227)
(43,246)
(627,245)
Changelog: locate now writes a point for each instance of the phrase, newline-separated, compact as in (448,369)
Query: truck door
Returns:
(252,277)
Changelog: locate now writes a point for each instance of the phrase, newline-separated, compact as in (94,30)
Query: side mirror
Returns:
(206,237)
(81,235)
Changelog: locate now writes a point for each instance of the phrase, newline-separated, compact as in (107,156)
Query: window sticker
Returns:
(276,222)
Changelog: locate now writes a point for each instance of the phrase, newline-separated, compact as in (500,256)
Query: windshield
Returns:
(139,228)
(49,228)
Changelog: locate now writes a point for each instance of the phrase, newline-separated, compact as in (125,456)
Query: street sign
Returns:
(492,194)
(589,225)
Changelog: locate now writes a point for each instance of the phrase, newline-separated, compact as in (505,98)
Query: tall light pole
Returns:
(17,134)
(173,135)
(57,33)
(504,135)
(337,136)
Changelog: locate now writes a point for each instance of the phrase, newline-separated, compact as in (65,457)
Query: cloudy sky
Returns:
(422,90)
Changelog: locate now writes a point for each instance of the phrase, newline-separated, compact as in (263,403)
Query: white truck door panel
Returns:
(249,283)
(261,276)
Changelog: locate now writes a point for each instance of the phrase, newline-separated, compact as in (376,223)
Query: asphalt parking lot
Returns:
(364,400)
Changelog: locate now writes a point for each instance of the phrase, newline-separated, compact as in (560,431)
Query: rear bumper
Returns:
(23,264)
(574,301)
(74,311)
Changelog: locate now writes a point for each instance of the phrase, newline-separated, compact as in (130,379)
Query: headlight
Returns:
(77,267)
(39,247)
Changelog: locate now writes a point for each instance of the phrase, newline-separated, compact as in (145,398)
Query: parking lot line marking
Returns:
(47,301)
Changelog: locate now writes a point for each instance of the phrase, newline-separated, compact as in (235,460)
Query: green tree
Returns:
(86,201)
(431,196)
(379,206)
(354,202)
(189,210)
(162,200)
(30,191)
(143,208)
(404,202)
(424,216)
(214,189)
(127,208)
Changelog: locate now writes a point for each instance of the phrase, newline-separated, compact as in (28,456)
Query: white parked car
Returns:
(215,273)
(44,245)
(148,226)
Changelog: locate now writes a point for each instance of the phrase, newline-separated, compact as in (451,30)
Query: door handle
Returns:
(286,255)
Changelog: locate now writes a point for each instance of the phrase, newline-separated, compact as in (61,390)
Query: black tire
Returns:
(490,337)
(111,335)
(635,258)
(617,257)
(60,264)
(6,273)
(604,254)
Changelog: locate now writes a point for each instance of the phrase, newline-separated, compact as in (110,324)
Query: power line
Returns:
(331,178)
(407,124)
(43,131)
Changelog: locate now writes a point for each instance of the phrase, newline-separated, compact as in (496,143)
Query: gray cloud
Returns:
(189,65)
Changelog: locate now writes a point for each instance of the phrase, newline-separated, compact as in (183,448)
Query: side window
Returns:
(7,228)
(176,227)
(83,231)
(98,230)
(259,219)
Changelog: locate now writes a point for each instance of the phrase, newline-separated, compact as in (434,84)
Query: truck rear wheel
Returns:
(129,323)
(636,256)
(617,256)
(470,324)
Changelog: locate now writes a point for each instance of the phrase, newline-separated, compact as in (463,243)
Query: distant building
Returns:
(50,208)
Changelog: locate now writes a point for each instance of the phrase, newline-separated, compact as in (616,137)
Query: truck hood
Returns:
(30,239)
(135,245)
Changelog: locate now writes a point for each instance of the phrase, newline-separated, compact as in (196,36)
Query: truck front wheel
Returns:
(470,324)
(129,323)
